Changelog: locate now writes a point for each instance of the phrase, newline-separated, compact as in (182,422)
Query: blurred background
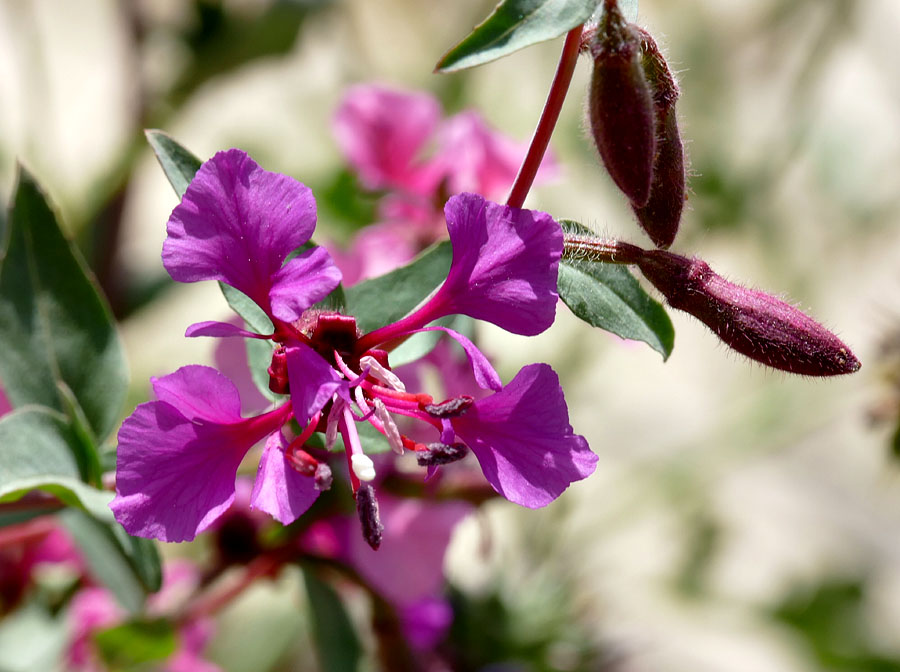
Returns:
(740,520)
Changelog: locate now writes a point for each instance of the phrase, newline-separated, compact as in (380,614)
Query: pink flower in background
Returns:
(398,143)
(94,609)
(408,569)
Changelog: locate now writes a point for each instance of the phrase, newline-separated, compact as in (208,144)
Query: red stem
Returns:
(218,597)
(549,117)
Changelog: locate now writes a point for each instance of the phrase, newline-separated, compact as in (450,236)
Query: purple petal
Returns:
(523,440)
(280,490)
(303,281)
(220,402)
(237,223)
(381,131)
(220,330)
(485,375)
(175,475)
(313,382)
(505,265)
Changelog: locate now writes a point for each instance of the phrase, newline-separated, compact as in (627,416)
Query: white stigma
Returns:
(386,376)
(363,467)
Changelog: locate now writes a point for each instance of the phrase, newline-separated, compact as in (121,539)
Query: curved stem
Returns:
(549,117)
(601,249)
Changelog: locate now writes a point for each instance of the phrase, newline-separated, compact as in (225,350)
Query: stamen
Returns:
(367,509)
(363,467)
(382,373)
(436,454)
(331,426)
(450,408)
(391,432)
(361,399)
(300,460)
(323,477)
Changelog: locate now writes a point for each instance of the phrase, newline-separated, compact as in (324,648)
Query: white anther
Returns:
(391,433)
(386,376)
(363,467)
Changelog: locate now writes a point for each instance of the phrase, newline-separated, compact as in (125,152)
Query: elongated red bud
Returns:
(620,106)
(754,323)
(661,215)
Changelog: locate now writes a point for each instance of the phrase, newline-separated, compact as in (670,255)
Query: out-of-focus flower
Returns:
(385,134)
(25,548)
(94,609)
(408,569)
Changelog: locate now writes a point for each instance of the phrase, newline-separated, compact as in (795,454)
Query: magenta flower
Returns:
(195,427)
(504,270)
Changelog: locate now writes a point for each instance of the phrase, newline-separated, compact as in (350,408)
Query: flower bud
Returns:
(754,323)
(620,106)
(661,215)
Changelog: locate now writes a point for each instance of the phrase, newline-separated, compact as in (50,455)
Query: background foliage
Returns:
(739,519)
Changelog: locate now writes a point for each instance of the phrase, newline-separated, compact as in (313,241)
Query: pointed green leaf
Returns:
(514,25)
(129,566)
(336,641)
(389,297)
(37,452)
(136,642)
(178,163)
(609,297)
(54,325)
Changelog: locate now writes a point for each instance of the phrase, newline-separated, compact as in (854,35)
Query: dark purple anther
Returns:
(367,509)
(451,408)
(620,106)
(754,323)
(437,454)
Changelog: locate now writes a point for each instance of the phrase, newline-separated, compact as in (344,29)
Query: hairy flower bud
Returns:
(754,323)
(620,106)
(661,215)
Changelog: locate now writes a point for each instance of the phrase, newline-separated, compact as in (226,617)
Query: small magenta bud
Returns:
(661,215)
(620,106)
(278,373)
(754,323)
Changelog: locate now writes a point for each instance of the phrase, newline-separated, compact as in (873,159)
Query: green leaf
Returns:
(54,325)
(136,642)
(514,25)
(129,566)
(177,163)
(389,297)
(609,297)
(243,305)
(37,452)
(336,641)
